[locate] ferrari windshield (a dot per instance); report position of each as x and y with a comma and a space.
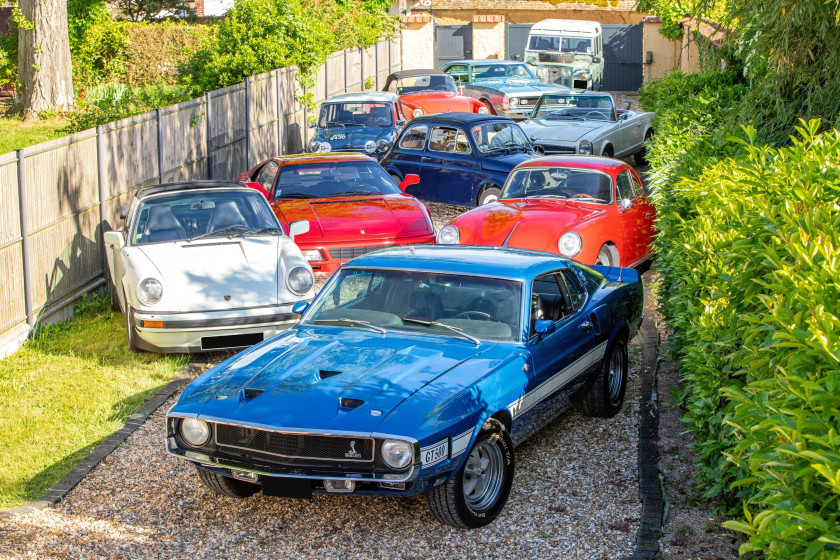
502, 72
500, 136
575, 107
355, 114
432, 82
192, 214
577, 45
435, 303
581, 185
325, 179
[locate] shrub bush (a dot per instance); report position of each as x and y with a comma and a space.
155, 51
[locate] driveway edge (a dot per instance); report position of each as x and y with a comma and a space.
63, 486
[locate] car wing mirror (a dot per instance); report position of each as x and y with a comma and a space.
460, 90
401, 123
622, 117
410, 179
626, 204
298, 227
300, 307
627, 103
596, 60
311, 124
114, 239
544, 327
124, 211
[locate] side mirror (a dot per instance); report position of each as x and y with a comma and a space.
400, 123
124, 211
298, 227
300, 307
627, 103
626, 204
460, 90
410, 179
311, 124
622, 117
115, 239
544, 327
596, 60
491, 199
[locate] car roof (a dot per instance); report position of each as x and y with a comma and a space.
500, 262
188, 185
566, 26
417, 72
362, 96
584, 162
467, 118
485, 61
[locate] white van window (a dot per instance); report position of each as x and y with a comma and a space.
582, 45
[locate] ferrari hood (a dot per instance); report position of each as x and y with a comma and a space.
218, 273
326, 379
560, 131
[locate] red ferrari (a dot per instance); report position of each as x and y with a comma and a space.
593, 209
425, 92
343, 205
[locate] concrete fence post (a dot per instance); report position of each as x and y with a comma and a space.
208, 125
24, 245
376, 65
247, 123
159, 145
279, 112
100, 179
346, 73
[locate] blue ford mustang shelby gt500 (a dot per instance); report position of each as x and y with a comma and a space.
415, 370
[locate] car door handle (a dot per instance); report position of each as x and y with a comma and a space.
638, 124
425, 159
586, 325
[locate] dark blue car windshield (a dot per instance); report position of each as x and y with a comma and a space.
333, 178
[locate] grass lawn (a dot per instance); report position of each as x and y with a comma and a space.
15, 133
66, 391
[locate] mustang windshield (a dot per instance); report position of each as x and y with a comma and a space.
583, 185
333, 178
417, 84
441, 304
575, 107
355, 114
500, 136
502, 71
577, 45
202, 213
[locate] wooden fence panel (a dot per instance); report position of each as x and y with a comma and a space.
9, 203
184, 140
354, 69
13, 310
264, 139
129, 154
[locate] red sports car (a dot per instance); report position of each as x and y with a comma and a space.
425, 92
593, 209
346, 205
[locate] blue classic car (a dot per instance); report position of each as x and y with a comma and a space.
357, 122
461, 158
506, 87
415, 370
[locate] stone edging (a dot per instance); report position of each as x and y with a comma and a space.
63, 486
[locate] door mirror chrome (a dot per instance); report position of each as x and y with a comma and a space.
544, 327
114, 239
300, 307
400, 123
626, 204
298, 227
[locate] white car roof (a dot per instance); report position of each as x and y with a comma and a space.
566, 26
363, 97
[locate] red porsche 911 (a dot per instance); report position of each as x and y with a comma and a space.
592, 209
340, 206
426, 92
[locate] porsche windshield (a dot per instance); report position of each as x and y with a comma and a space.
435, 303
202, 213
500, 136
432, 82
581, 185
575, 107
325, 179
355, 114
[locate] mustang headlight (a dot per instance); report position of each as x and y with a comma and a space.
448, 235
370, 147
569, 244
149, 291
585, 147
417, 112
514, 101
196, 432
396, 453
300, 280
315, 146
383, 145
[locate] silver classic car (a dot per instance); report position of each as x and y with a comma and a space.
588, 123
506, 87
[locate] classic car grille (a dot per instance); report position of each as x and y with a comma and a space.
563, 58
295, 446
557, 149
346, 253
528, 100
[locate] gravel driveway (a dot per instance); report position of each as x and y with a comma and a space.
575, 496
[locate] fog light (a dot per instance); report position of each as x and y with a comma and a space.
244, 475
339, 485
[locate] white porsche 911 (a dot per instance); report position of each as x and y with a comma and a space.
204, 265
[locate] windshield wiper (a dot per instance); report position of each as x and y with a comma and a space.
456, 330
352, 193
336, 124
223, 231
257, 231
588, 198
512, 144
296, 195
363, 324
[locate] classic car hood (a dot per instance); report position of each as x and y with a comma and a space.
562, 131
218, 273
440, 102
300, 378
520, 86
354, 137
535, 223
351, 218
504, 162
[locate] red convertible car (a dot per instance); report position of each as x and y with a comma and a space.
340, 206
593, 209
425, 92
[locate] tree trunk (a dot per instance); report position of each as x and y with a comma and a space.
44, 66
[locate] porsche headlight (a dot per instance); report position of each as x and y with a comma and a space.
514, 101
383, 145
300, 280
196, 432
315, 146
396, 453
569, 244
149, 291
370, 147
448, 235
585, 148
417, 112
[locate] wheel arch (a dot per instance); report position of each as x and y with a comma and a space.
489, 183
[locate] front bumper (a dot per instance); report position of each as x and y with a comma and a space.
336, 254
518, 113
203, 331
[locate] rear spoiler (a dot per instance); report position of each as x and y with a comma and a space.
618, 274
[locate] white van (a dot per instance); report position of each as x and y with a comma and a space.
567, 52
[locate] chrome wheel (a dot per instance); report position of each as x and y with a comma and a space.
483, 475
605, 257
615, 376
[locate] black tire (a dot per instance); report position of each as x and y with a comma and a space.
115, 299
486, 193
606, 257
130, 332
608, 151
226, 486
449, 503
606, 395
641, 155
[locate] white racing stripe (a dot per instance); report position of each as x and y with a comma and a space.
460, 442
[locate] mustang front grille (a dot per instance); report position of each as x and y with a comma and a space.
528, 100
295, 446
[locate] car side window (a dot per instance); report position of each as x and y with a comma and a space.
625, 187
415, 137
638, 186
576, 294
459, 72
266, 175
449, 139
549, 300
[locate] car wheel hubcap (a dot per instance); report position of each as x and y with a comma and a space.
604, 258
483, 475
615, 378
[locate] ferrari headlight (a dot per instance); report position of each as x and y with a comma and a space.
396, 453
566, 72
448, 235
514, 101
313, 255
196, 432
569, 244
300, 280
149, 291
315, 146
370, 147
417, 112
383, 145
585, 148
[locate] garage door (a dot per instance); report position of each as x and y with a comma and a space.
622, 57
516, 39
452, 42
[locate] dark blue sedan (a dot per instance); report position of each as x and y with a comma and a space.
461, 158
416, 370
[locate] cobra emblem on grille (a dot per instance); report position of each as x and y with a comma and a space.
353, 454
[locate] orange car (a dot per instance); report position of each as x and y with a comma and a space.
425, 92
345, 204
